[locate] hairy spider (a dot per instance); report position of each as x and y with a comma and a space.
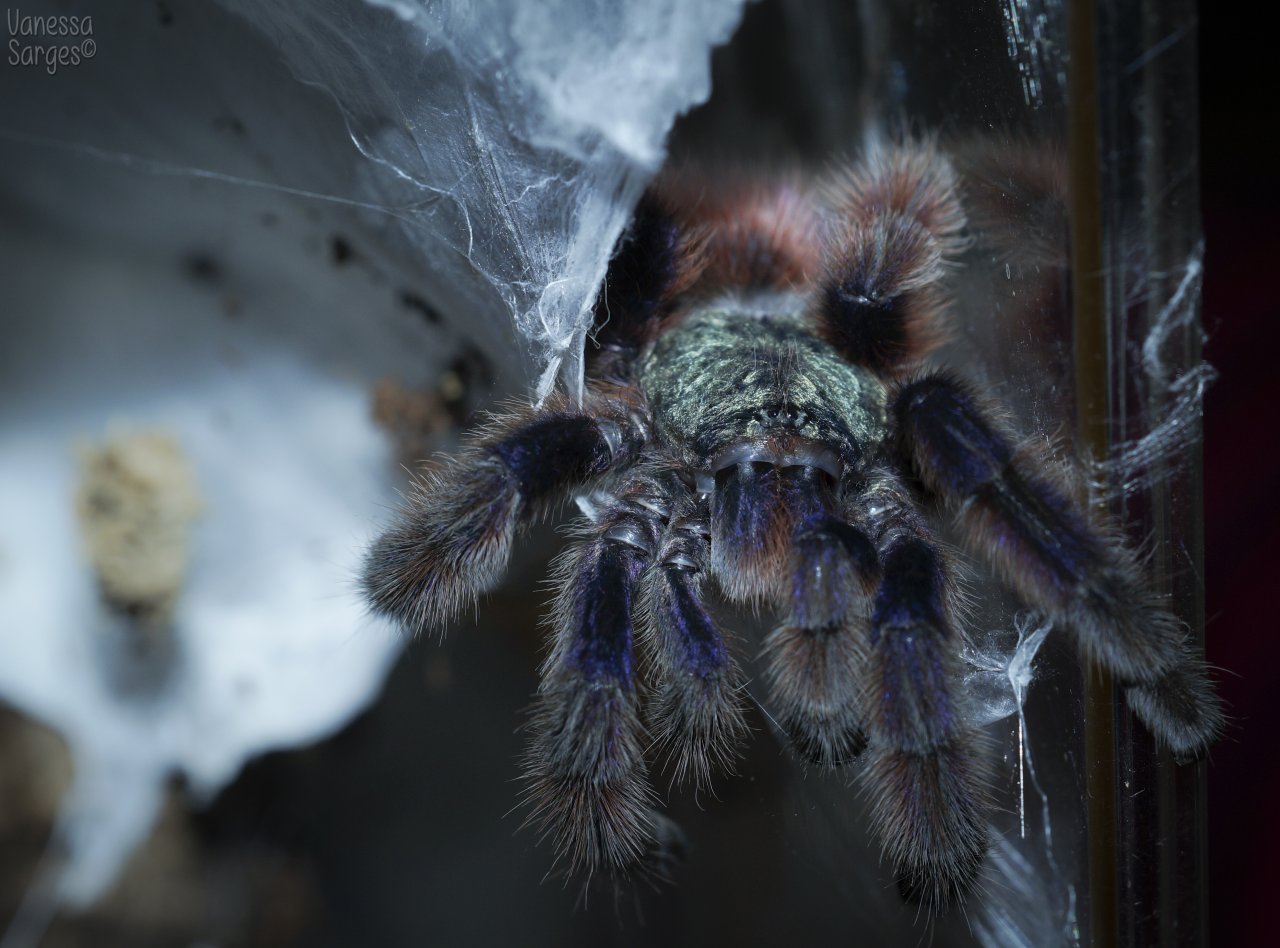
760, 414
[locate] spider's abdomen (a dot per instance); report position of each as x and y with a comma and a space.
724, 382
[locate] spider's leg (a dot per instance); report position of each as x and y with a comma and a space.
1044, 545
925, 774
656, 260
881, 295
697, 710
754, 232
588, 783
453, 539
816, 659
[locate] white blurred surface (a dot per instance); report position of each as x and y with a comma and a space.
272, 647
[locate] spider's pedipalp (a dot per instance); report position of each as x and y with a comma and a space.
816, 659
588, 781
925, 775
834, 568
815, 682
454, 537
697, 710
775, 539
1047, 549
880, 301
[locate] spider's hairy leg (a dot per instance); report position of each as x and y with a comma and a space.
697, 710
656, 260
754, 231
588, 782
1046, 548
900, 221
453, 537
925, 777
816, 659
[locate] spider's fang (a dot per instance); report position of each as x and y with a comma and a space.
632, 536
800, 453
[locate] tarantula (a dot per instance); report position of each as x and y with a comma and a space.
759, 414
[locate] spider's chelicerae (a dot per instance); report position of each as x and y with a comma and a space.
760, 417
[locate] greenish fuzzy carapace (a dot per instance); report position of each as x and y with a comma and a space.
721, 377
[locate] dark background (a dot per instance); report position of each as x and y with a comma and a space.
1242, 468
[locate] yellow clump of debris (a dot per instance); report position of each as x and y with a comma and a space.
136, 502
